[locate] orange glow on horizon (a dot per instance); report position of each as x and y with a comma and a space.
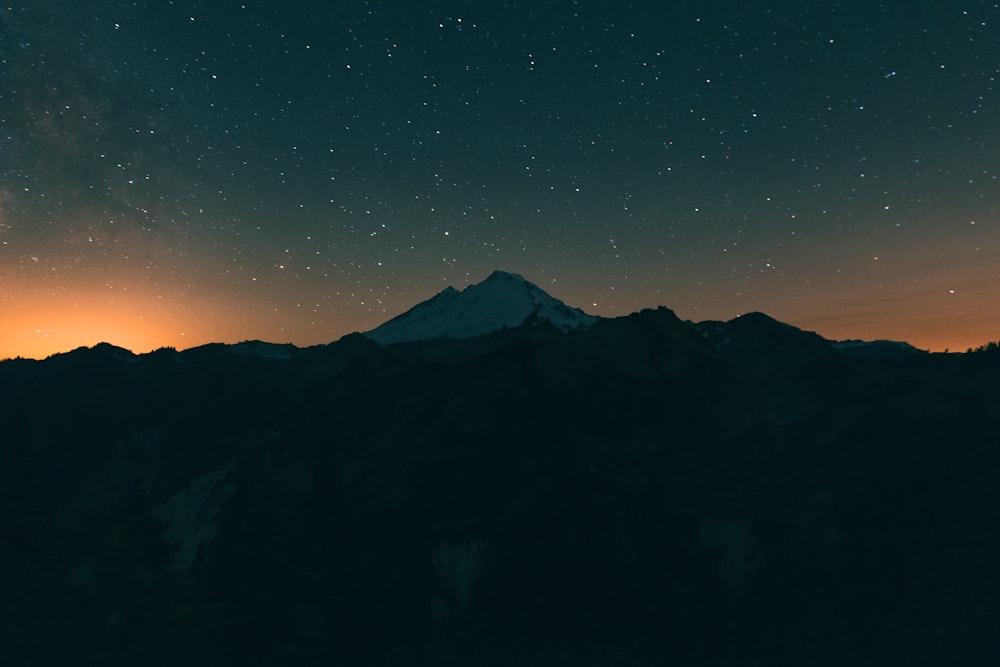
933, 337
37, 328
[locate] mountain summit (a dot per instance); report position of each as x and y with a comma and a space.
502, 301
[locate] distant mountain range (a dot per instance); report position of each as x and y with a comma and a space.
506, 301
496, 478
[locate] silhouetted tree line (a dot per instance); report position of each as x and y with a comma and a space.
991, 347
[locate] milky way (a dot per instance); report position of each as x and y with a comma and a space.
174, 173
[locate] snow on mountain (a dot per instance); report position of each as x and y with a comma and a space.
502, 301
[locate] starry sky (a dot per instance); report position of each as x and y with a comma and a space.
179, 172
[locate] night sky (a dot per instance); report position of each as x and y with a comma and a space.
176, 173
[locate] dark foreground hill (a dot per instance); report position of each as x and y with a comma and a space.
642, 491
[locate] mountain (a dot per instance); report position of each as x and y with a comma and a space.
759, 342
761, 335
636, 490
502, 301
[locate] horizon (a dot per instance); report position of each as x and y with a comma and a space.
146, 338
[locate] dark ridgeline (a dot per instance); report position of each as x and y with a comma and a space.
633, 491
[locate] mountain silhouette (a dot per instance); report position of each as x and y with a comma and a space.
516, 484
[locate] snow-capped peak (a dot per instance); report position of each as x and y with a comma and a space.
502, 301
